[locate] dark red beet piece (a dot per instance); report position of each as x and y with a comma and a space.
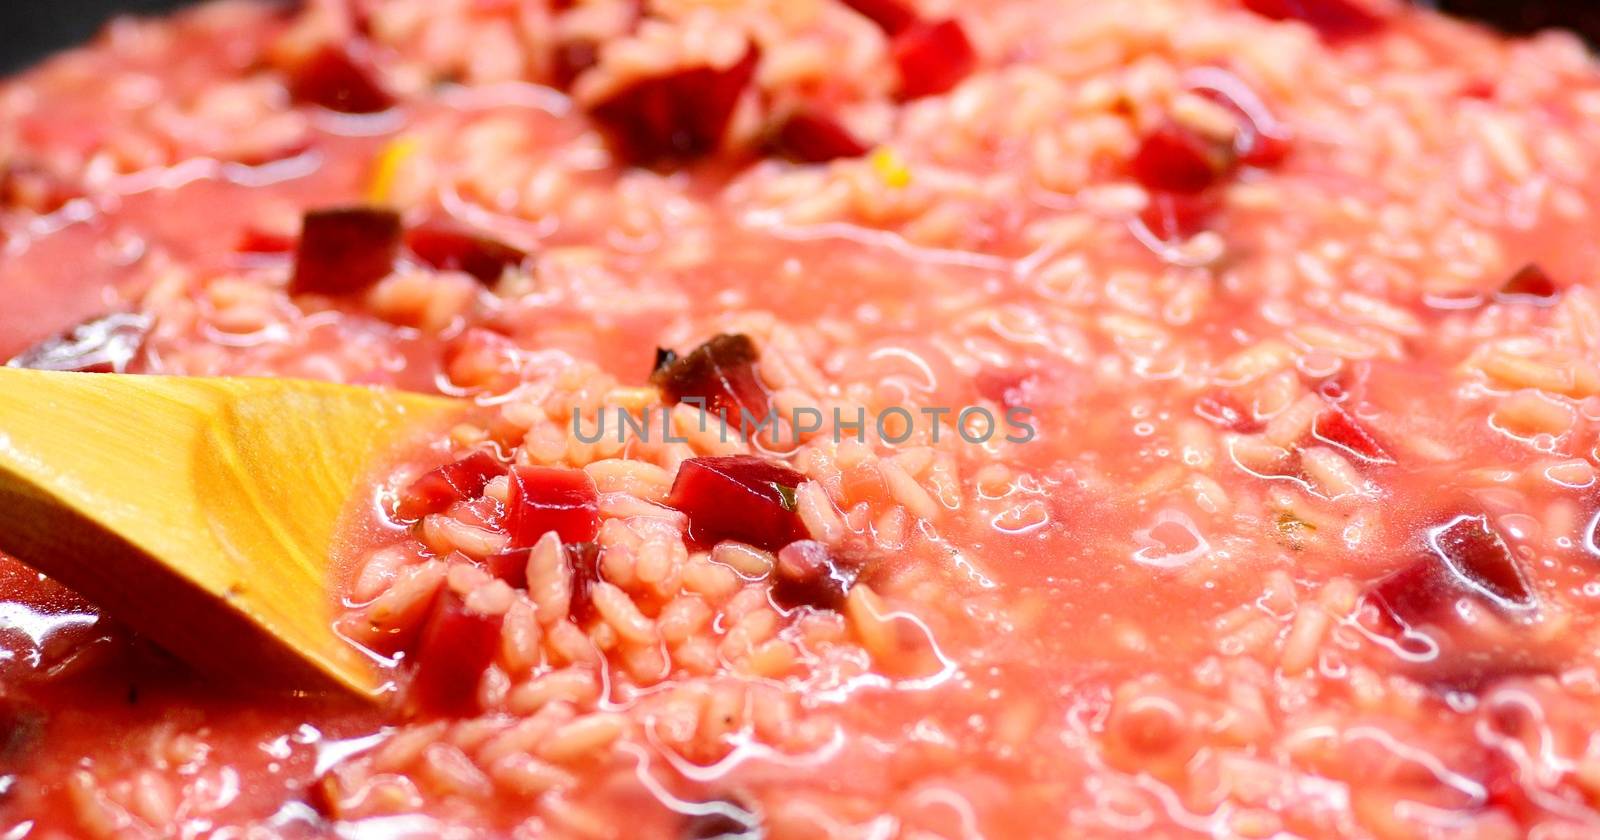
1336, 426
452, 247
108, 344
1223, 410
722, 372
545, 499
345, 250
584, 560
571, 59
809, 137
1464, 558
1334, 20
254, 241
932, 58
1174, 217
675, 117
1530, 285
1262, 141
510, 566
438, 489
738, 497
1174, 159
457, 646
340, 78
806, 575
892, 16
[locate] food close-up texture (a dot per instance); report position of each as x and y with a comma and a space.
1183, 415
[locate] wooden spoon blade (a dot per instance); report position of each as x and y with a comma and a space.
201, 512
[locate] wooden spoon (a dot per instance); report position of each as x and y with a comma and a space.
202, 512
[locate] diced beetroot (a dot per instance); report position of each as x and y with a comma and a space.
722, 372
892, 16
1174, 217
438, 489
678, 116
457, 646
1336, 426
345, 250
255, 241
545, 499
932, 58
1173, 159
584, 558
1465, 557
571, 59
108, 344
340, 78
510, 566
452, 247
1334, 20
1262, 141
34, 188
806, 575
1225, 411
806, 136
738, 497
1530, 285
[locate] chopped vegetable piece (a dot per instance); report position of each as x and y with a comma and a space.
892, 16
1334, 20
571, 59
255, 241
1175, 217
436, 490
545, 499
1173, 159
1224, 410
807, 576
340, 79
584, 560
722, 372
932, 58
345, 250
675, 117
1262, 141
510, 566
1338, 427
809, 137
452, 247
1530, 285
108, 344
1465, 558
738, 497
457, 646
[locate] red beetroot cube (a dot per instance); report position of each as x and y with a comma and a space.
1465, 558
932, 58
452, 247
571, 59
1334, 20
738, 497
440, 488
1530, 285
457, 646
1174, 217
810, 137
678, 116
345, 250
256, 241
1338, 427
806, 575
340, 78
545, 499
1173, 159
108, 344
722, 372
892, 16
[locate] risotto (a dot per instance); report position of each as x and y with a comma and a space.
1027, 418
